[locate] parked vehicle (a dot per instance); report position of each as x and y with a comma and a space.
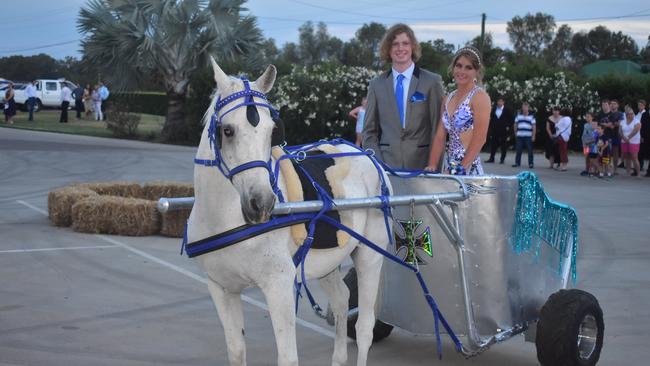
48, 93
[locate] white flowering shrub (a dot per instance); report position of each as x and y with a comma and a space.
542, 93
314, 101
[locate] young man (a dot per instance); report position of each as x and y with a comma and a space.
525, 131
31, 93
403, 104
616, 118
66, 98
500, 129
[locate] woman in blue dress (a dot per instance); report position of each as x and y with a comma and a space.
465, 118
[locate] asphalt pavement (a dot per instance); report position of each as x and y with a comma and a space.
68, 298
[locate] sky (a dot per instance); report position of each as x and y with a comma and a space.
49, 26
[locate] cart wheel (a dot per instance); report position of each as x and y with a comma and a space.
570, 329
381, 329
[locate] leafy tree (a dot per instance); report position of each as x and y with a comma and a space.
645, 53
530, 34
602, 44
558, 52
316, 45
132, 39
491, 55
436, 55
26, 68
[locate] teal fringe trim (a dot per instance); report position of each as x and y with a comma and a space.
542, 221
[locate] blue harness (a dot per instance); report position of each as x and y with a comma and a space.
299, 153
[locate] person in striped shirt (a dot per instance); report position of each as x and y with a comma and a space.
525, 134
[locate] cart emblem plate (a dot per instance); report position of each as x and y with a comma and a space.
408, 244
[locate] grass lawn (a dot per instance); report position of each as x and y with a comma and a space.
48, 120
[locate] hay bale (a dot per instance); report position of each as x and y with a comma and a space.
154, 190
173, 223
116, 215
121, 189
60, 202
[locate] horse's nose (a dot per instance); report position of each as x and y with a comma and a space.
257, 207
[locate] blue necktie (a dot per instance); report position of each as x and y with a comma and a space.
399, 98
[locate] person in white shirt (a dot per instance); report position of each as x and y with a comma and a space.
563, 133
30, 93
525, 131
66, 98
630, 131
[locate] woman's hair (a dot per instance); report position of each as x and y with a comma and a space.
555, 108
629, 109
475, 58
389, 37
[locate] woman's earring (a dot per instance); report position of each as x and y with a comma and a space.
475, 81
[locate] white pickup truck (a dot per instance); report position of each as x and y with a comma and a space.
48, 93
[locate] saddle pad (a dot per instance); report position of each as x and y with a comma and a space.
329, 174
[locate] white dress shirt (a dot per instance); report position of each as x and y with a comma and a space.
30, 91
66, 94
408, 75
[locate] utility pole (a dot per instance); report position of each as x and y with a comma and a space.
482, 32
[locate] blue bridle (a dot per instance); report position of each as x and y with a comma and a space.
214, 131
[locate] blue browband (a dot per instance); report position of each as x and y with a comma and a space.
215, 127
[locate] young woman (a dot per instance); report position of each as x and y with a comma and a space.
562, 135
630, 141
552, 151
465, 117
10, 104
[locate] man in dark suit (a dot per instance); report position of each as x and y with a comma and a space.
500, 132
403, 104
644, 152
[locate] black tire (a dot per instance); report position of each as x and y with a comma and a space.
381, 329
38, 106
567, 324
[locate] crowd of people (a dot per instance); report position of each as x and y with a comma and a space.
90, 101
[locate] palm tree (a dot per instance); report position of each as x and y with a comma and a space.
170, 38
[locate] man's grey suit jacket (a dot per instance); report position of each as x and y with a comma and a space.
382, 131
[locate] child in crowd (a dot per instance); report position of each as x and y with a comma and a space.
588, 141
604, 152
592, 153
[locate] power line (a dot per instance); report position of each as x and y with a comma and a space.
40, 47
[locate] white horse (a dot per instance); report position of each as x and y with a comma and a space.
265, 261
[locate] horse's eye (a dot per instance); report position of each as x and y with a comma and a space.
228, 132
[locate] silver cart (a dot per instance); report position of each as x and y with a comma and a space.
497, 255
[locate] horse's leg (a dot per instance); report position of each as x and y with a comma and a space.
278, 291
339, 295
368, 266
230, 312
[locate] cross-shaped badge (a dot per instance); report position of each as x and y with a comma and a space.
409, 243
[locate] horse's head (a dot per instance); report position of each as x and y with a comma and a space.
241, 128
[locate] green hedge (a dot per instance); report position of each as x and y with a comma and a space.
142, 102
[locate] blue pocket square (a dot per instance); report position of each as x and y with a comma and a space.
417, 97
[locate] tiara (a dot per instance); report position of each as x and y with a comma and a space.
472, 52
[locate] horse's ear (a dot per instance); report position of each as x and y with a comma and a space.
265, 82
220, 77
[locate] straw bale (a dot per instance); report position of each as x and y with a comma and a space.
116, 215
61, 200
121, 189
154, 190
173, 223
